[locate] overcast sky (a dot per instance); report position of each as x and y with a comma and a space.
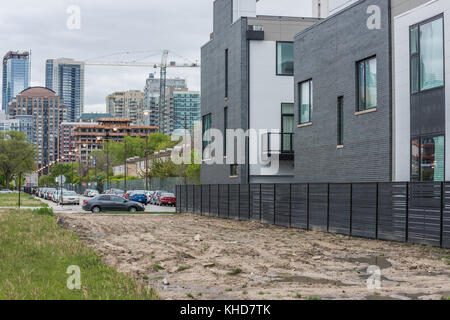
144, 27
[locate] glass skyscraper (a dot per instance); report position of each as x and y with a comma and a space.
186, 106
66, 78
16, 76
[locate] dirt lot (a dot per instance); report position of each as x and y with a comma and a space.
248, 260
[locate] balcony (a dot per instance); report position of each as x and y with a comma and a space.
279, 143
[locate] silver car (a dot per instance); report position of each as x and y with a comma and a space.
69, 197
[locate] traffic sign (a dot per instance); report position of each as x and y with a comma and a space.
60, 180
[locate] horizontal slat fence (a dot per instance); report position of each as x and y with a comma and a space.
407, 212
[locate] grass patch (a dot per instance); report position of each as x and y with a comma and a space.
35, 254
235, 272
12, 200
157, 267
43, 212
182, 268
314, 298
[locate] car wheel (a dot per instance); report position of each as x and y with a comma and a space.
96, 210
132, 209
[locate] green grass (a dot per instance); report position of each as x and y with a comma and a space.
35, 254
314, 298
157, 267
182, 268
12, 200
235, 272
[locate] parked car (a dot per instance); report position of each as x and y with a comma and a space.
69, 197
140, 197
41, 192
5, 191
48, 193
167, 199
116, 192
90, 193
107, 202
149, 196
157, 195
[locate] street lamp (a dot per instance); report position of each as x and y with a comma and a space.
146, 114
125, 156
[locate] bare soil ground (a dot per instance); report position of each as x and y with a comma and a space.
248, 260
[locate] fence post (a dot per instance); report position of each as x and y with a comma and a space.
351, 209
209, 200
442, 214
239, 202
249, 203
201, 200
407, 213
377, 209
307, 206
260, 202
290, 205
274, 203
218, 200
228, 201
328, 208
193, 199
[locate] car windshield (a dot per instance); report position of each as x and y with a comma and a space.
70, 193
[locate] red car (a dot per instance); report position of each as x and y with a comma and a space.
167, 199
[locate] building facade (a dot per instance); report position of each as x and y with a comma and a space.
47, 112
151, 96
247, 81
91, 137
16, 76
126, 104
66, 141
93, 117
66, 78
186, 108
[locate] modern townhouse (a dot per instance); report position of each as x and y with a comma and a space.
366, 101
421, 111
247, 82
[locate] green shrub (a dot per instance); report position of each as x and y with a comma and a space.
44, 212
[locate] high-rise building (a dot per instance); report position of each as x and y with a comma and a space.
151, 96
16, 76
47, 112
66, 78
126, 104
186, 109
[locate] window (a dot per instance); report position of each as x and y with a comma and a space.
340, 121
428, 159
427, 55
285, 58
226, 73
367, 84
225, 127
287, 126
234, 170
305, 101
206, 134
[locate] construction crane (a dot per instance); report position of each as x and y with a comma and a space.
163, 70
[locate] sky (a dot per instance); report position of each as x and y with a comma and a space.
143, 28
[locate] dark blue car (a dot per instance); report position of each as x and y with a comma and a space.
141, 198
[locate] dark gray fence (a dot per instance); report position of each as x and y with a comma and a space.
409, 212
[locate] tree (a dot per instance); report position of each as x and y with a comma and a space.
165, 169
16, 155
193, 169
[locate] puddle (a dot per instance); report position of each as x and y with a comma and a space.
381, 262
309, 281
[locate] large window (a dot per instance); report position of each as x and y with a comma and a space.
287, 126
305, 101
428, 159
285, 58
427, 55
205, 128
367, 84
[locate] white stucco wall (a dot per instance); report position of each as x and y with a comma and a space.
267, 92
402, 136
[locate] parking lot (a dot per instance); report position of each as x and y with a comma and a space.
77, 208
